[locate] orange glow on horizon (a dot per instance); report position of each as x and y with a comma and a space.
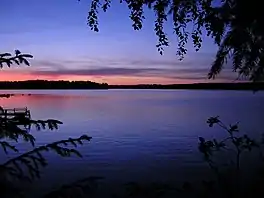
112, 80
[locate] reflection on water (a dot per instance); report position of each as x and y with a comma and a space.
137, 134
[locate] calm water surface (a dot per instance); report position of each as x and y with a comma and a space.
144, 135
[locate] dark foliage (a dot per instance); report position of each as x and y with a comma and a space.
235, 25
26, 167
240, 143
230, 176
78, 189
17, 59
230, 181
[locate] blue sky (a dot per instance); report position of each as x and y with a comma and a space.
64, 47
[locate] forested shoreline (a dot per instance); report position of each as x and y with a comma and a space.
61, 84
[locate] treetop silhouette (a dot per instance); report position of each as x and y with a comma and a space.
235, 25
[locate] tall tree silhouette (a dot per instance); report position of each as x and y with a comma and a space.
235, 25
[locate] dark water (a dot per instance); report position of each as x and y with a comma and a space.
145, 135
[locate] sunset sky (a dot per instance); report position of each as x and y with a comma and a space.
64, 47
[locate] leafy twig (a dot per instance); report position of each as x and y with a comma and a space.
33, 159
18, 58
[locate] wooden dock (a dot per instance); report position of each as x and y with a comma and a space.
7, 113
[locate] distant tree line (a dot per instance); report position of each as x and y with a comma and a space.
201, 86
62, 84
45, 84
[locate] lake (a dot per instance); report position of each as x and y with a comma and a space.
137, 135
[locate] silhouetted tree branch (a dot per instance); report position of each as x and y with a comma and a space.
26, 166
19, 58
19, 126
230, 180
33, 159
235, 25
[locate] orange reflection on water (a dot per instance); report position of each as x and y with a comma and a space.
25, 100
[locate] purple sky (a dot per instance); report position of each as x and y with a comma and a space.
64, 47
